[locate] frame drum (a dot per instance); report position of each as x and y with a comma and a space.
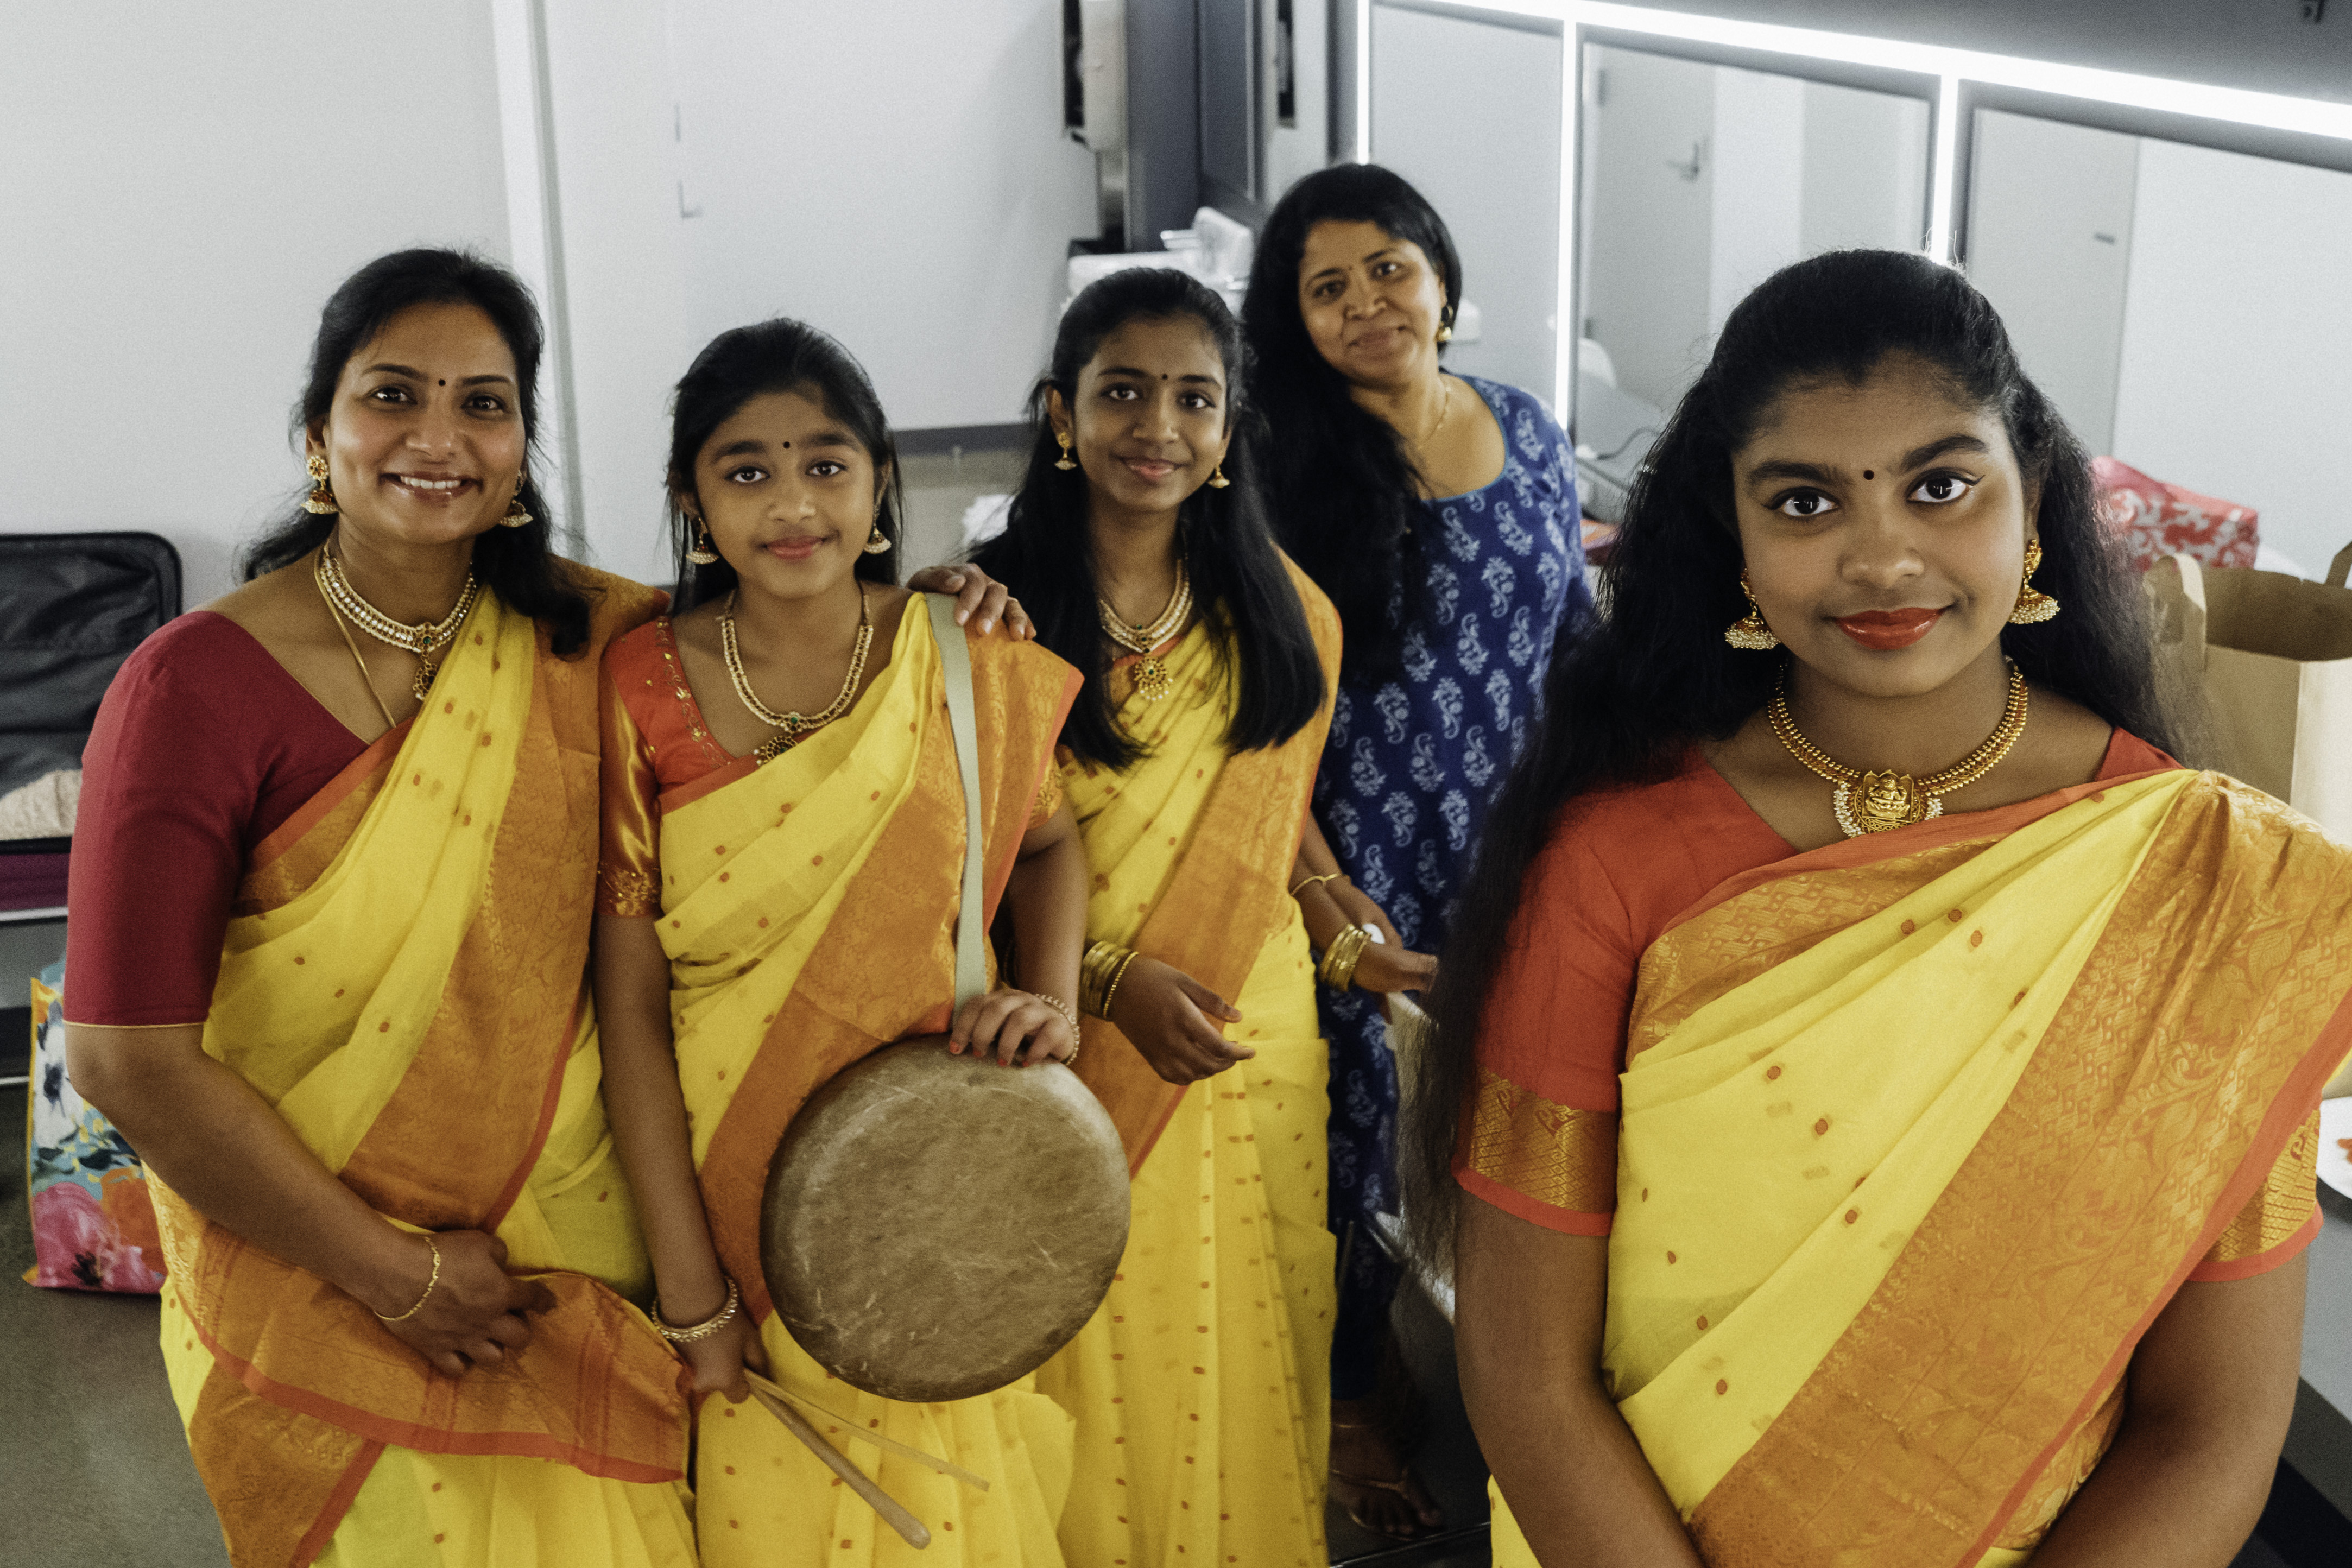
936, 1226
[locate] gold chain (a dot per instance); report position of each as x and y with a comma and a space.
418, 640
796, 727
1879, 802
1152, 681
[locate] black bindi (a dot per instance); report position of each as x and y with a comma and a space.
442, 383
1868, 475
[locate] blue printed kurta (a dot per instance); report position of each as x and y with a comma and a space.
1407, 773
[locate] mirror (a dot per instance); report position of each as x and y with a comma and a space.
1700, 180
2184, 306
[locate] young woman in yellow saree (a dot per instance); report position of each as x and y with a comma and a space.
779, 899
331, 983
1883, 1078
1137, 547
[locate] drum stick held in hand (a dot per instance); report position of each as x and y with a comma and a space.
850, 1429
908, 1527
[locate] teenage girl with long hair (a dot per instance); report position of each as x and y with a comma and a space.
1138, 546
1871, 1114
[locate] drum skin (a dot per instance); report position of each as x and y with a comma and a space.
936, 1226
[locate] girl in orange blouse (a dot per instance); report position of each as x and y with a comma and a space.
783, 839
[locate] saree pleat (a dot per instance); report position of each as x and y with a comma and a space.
1919, 1139
399, 982
808, 910
1201, 1388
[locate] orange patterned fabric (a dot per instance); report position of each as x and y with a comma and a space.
1965, 1402
2278, 1221
306, 1388
1226, 896
1553, 1164
889, 921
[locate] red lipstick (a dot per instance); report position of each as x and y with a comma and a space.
1887, 630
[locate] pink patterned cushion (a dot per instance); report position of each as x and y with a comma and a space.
2157, 519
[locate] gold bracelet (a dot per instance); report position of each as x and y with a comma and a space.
429, 1283
1117, 975
1306, 882
705, 1328
1097, 976
1337, 968
1068, 1012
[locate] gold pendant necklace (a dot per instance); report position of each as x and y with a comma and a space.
1880, 801
796, 727
420, 639
1152, 681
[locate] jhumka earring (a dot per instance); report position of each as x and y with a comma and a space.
877, 542
1065, 463
1217, 480
2033, 606
1749, 632
704, 553
517, 515
322, 498
1446, 326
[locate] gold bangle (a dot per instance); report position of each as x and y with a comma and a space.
1068, 1012
431, 1281
1117, 975
1306, 882
1096, 973
1337, 967
705, 1328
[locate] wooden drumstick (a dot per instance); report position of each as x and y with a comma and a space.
908, 1527
952, 1471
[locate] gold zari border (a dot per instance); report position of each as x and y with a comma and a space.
1556, 1154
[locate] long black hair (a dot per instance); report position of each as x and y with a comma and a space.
515, 562
742, 363
1623, 702
1345, 495
1046, 551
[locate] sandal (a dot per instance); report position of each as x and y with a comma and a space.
1403, 1487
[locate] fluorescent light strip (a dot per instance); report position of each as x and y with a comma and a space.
1569, 328
2274, 110
1945, 192
1363, 81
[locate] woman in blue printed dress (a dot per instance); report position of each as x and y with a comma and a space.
1439, 513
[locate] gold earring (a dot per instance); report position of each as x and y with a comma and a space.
322, 498
704, 553
877, 542
1217, 480
1067, 462
2033, 606
1445, 332
517, 515
1749, 632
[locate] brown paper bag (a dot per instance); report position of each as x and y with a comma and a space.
2271, 654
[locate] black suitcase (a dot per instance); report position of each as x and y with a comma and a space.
72, 606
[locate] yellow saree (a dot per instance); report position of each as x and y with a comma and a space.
808, 907
1919, 1135
1201, 1387
403, 980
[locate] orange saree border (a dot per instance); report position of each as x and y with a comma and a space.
1226, 898
2154, 1107
835, 1015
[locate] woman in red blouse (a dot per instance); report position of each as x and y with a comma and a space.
1881, 1077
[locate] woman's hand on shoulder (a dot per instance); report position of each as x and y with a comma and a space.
1019, 1027
976, 595
1175, 1020
474, 1314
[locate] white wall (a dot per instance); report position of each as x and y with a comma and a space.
1294, 151
2236, 375
2050, 243
1469, 112
894, 172
183, 188
1758, 179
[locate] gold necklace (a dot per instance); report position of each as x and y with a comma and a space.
1152, 681
796, 727
1444, 408
1882, 801
420, 639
